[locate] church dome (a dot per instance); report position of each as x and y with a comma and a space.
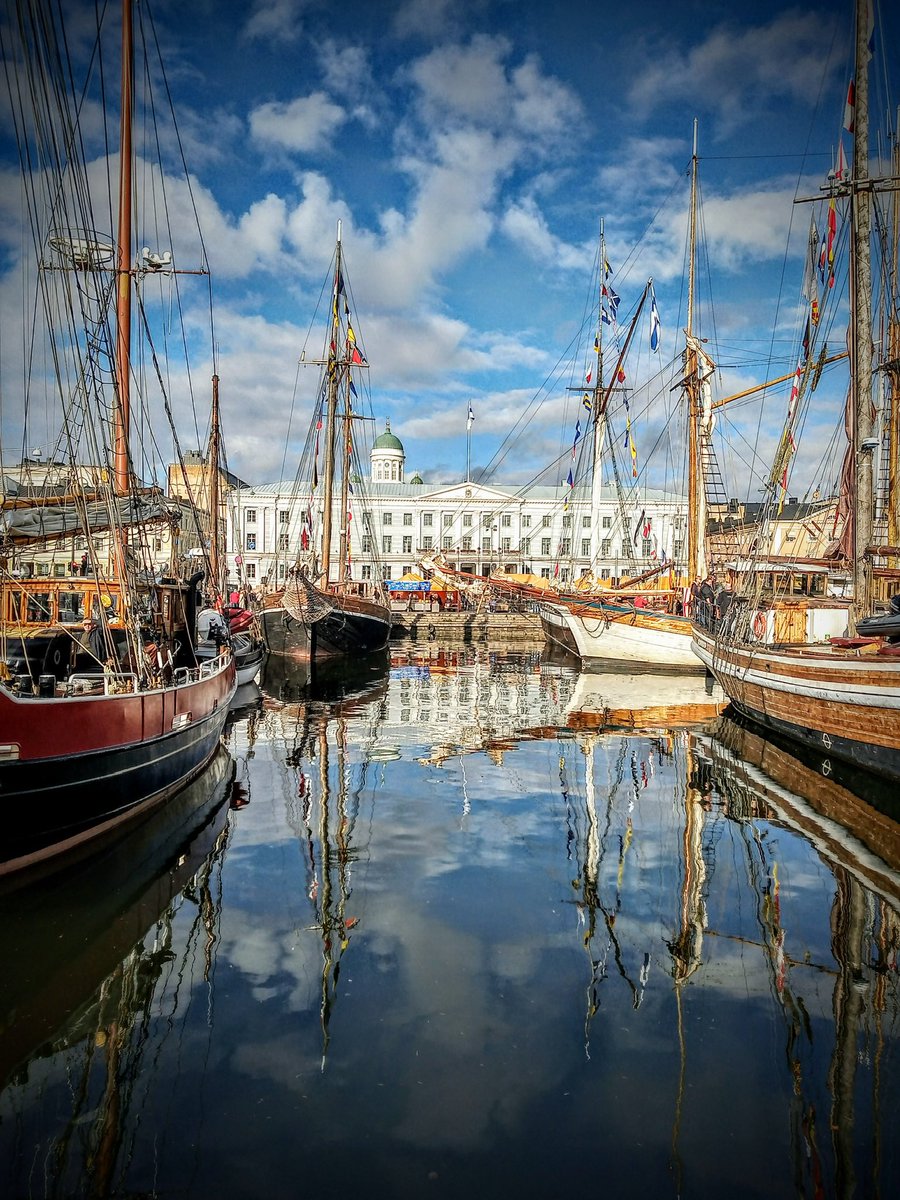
388, 440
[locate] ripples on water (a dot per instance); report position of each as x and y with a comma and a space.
471, 926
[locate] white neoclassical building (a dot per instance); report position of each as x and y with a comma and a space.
479, 528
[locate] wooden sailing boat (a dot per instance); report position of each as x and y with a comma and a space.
316, 614
606, 629
104, 710
782, 660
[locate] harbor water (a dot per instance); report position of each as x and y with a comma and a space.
463, 922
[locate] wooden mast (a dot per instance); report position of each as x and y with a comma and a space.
212, 466
696, 557
331, 411
123, 291
861, 340
892, 366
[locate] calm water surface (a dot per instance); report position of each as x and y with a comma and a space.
469, 926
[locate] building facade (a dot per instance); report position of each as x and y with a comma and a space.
396, 526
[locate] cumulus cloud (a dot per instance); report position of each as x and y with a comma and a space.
275, 20
736, 73
305, 124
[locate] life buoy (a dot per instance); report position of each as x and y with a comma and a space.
759, 625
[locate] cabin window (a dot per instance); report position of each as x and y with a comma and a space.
43, 568
38, 607
59, 570
71, 608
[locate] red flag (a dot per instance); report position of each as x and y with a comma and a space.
850, 107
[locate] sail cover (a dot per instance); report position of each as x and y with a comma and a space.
45, 522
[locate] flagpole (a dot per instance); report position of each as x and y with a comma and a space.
469, 443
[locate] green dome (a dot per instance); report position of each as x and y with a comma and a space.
417, 478
387, 440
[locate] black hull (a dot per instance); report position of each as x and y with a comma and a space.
880, 760
57, 805
339, 633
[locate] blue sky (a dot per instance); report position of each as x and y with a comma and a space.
470, 149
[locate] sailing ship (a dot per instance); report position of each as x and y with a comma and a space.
653, 633
315, 615
825, 671
105, 710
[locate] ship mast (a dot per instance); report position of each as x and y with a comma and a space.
212, 467
696, 557
861, 326
330, 415
123, 291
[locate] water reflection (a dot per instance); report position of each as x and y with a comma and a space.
469, 914
87, 954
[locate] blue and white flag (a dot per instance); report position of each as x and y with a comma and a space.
470, 418
654, 323
610, 307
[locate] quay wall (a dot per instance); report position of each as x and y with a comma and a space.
483, 627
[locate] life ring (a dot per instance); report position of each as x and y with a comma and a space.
759, 626
56, 658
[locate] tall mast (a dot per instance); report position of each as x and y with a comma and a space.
331, 410
212, 467
598, 418
696, 510
861, 340
893, 364
123, 294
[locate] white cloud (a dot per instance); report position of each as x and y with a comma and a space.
303, 125
275, 20
737, 73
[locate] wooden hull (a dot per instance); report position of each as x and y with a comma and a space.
354, 626
839, 701
76, 770
604, 634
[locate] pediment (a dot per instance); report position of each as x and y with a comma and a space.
472, 493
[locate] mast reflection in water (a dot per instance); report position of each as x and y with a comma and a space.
473, 924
